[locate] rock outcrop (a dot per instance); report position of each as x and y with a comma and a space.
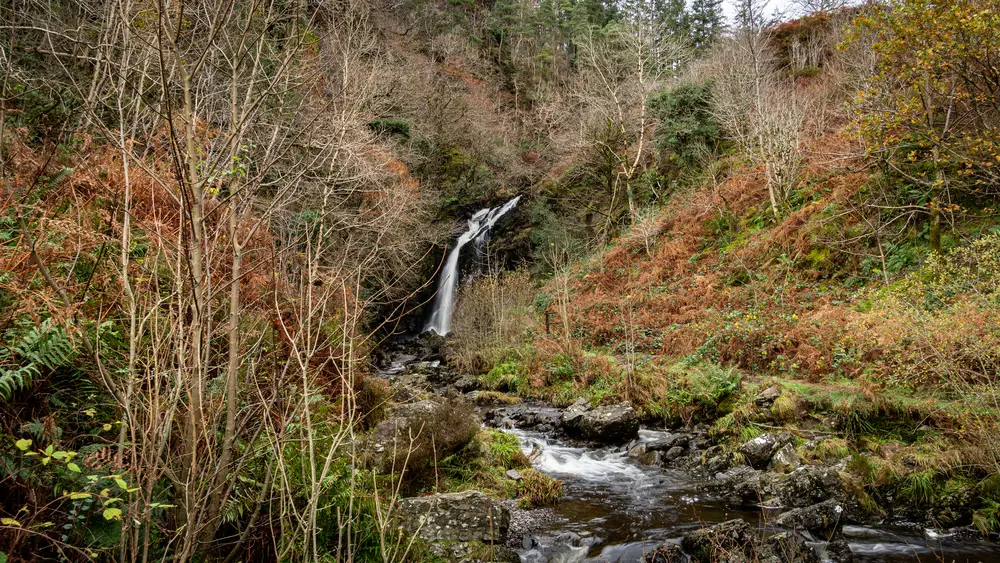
413, 433
613, 424
464, 517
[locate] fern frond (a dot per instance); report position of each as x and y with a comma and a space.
46, 345
17, 379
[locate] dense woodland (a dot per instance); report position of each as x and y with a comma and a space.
216, 215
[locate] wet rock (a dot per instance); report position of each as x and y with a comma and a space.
668, 442
710, 543
431, 342
820, 518
565, 548
767, 396
466, 516
702, 442
513, 475
466, 384
803, 487
742, 484
838, 551
652, 458
786, 459
808, 485
423, 368
717, 459
673, 453
758, 452
670, 552
575, 411
613, 424
636, 452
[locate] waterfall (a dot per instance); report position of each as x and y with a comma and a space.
444, 301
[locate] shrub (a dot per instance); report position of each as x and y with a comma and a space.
399, 127
939, 325
688, 130
505, 377
688, 391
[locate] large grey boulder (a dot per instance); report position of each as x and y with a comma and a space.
612, 424
807, 485
466, 384
819, 518
669, 442
758, 451
466, 516
413, 434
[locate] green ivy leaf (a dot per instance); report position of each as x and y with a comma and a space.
112, 513
10, 522
22, 445
73, 467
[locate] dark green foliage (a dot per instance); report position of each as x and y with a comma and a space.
399, 127
688, 131
706, 23
673, 18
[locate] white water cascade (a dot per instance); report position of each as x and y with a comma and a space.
444, 301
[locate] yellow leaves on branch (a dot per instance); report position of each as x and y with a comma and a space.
929, 81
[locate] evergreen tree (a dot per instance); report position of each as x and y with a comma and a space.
706, 23
673, 18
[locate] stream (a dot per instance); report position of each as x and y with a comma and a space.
615, 509
621, 509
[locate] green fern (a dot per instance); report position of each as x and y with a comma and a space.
16, 379
44, 346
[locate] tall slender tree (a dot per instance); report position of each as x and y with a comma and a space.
706, 23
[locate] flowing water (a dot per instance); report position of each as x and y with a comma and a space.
615, 509
478, 231
622, 509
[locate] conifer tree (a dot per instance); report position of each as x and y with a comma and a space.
673, 18
706, 23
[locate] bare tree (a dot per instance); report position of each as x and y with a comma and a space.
759, 109
272, 219
620, 69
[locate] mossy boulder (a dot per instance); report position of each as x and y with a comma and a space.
465, 517
612, 424
416, 434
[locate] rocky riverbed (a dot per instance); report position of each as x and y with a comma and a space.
639, 494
